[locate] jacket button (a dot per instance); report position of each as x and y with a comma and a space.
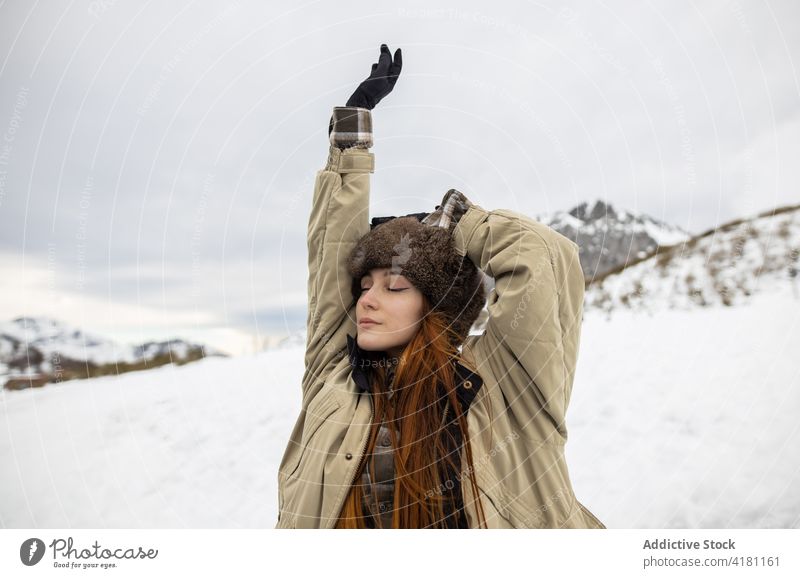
467, 384
349, 456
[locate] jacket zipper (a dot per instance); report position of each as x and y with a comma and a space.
363, 453
363, 450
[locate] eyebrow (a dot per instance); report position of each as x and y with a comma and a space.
385, 274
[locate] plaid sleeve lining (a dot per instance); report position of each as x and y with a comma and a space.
350, 126
455, 206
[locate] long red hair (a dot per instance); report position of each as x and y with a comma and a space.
422, 459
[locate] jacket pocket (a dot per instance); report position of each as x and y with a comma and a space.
320, 409
496, 515
513, 511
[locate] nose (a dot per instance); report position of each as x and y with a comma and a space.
368, 298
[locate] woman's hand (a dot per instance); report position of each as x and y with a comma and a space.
381, 80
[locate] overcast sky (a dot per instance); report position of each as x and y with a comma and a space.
157, 160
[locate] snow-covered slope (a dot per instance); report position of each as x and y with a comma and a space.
726, 265
680, 419
609, 237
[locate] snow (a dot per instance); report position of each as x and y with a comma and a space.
561, 220
615, 219
728, 265
22, 337
679, 418
663, 234
688, 418
190, 446
51, 336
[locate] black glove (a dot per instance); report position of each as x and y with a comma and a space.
381, 80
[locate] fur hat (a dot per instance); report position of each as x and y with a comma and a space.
426, 256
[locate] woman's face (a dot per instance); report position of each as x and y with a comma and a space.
394, 304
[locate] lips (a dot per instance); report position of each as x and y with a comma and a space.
367, 323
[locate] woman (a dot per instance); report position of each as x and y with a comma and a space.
407, 420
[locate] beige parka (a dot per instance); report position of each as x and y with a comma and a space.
526, 359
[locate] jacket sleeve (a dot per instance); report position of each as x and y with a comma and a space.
532, 334
339, 218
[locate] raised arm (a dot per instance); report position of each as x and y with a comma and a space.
535, 310
339, 218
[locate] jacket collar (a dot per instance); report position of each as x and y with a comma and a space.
468, 383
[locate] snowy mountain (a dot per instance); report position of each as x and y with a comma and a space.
610, 238
725, 265
49, 350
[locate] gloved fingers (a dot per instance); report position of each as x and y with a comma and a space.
395, 68
384, 61
398, 61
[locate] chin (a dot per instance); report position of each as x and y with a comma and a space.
369, 342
